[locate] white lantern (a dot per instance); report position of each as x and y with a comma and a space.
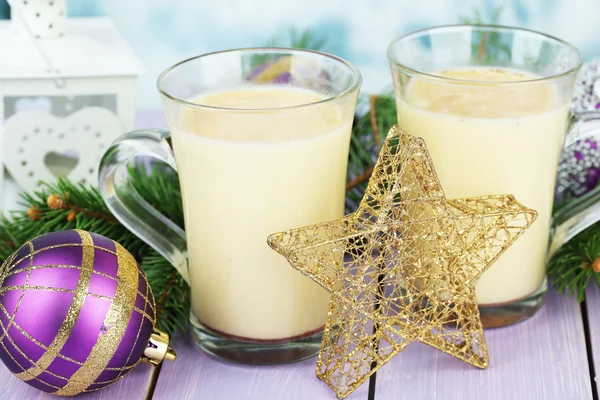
67, 90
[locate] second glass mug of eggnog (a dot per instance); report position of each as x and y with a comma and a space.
260, 142
492, 104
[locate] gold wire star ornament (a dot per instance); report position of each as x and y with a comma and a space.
403, 267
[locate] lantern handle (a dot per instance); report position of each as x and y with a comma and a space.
51, 69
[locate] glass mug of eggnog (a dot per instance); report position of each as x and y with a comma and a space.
260, 142
492, 104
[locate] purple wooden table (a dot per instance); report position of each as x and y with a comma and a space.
552, 356
544, 358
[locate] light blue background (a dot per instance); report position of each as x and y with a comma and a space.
164, 31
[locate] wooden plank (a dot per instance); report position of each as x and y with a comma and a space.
132, 386
195, 375
539, 359
592, 302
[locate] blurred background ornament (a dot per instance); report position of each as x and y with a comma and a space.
76, 313
587, 91
579, 166
52, 68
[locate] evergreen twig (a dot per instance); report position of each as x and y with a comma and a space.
576, 263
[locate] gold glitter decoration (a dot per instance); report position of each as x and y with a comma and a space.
403, 267
116, 322
79, 297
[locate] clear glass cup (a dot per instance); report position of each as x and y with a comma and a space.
260, 142
492, 104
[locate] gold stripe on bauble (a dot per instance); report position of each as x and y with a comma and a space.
64, 332
114, 327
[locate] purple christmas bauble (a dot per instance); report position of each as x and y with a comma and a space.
76, 312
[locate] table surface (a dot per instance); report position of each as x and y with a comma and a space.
552, 356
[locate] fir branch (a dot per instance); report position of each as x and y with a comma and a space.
307, 40
171, 292
478, 19
576, 263
160, 188
19, 227
487, 45
368, 133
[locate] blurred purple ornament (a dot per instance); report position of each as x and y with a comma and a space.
578, 171
285, 69
579, 166
586, 96
76, 313
284, 77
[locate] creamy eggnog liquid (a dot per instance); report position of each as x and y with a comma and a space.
484, 141
247, 174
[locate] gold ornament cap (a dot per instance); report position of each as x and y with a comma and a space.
158, 348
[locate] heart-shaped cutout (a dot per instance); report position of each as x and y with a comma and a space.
39, 146
61, 164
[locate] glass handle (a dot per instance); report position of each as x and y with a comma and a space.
126, 204
583, 212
